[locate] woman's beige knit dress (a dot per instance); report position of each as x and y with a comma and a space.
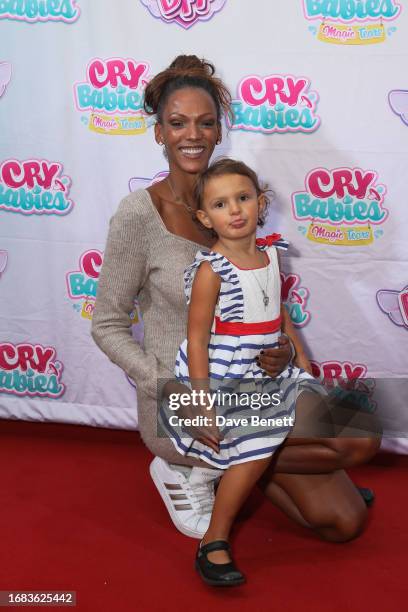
144, 260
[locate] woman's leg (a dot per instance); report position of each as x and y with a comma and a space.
323, 455
306, 479
328, 504
326, 438
235, 486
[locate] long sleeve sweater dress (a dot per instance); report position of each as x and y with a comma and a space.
144, 260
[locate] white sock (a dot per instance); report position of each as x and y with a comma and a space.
184, 469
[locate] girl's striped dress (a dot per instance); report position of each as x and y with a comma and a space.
243, 325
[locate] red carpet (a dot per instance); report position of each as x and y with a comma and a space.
80, 513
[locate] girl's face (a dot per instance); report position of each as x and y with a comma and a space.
231, 206
189, 129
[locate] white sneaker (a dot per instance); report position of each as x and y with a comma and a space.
189, 499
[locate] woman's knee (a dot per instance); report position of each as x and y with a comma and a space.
355, 451
348, 526
338, 526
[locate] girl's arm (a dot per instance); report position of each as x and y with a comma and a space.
203, 299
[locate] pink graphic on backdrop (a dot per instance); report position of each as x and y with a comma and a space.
5, 76
398, 100
347, 185
395, 305
34, 186
347, 380
30, 369
184, 12
112, 96
276, 103
295, 299
341, 206
83, 283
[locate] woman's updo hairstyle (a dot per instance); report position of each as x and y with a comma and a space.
186, 71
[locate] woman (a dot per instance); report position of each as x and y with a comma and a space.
152, 239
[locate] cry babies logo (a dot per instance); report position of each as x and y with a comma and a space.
110, 100
275, 104
295, 299
346, 380
183, 12
341, 205
34, 187
82, 284
33, 11
350, 22
28, 369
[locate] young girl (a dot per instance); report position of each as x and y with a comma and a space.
235, 311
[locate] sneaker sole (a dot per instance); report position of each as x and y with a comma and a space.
169, 505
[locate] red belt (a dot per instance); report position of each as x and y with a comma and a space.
227, 328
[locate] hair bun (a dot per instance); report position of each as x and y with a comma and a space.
186, 71
187, 64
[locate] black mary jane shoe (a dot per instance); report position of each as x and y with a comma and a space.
217, 574
368, 495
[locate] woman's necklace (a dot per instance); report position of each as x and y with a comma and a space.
177, 198
264, 291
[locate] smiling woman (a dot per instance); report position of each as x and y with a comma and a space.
152, 239
188, 102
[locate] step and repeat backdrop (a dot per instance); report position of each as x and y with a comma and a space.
320, 111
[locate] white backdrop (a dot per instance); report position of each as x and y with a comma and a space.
321, 114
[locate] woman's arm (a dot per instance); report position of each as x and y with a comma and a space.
301, 360
123, 273
274, 361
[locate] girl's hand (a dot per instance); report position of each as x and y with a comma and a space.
274, 361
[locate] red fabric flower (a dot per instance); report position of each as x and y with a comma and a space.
268, 240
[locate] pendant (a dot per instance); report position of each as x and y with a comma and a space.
265, 299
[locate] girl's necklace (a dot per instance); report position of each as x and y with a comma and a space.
264, 291
177, 198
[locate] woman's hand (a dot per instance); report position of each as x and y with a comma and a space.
274, 361
208, 433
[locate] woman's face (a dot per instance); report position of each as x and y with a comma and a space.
189, 129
